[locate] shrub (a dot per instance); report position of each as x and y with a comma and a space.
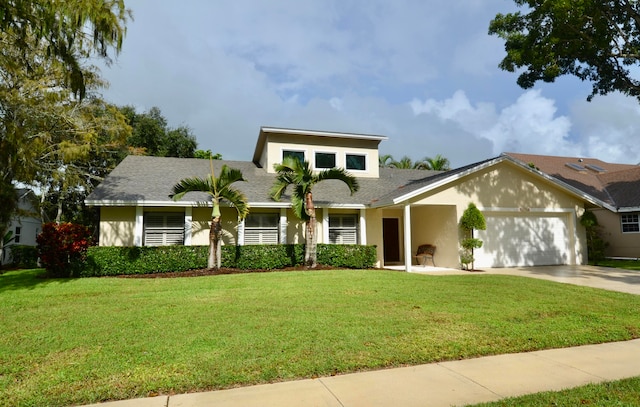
24, 256
111, 261
471, 219
62, 248
596, 245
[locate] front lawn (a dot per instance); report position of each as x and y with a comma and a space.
86, 340
621, 264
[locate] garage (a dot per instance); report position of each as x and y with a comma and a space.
524, 239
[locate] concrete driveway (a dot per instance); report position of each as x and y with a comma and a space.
613, 279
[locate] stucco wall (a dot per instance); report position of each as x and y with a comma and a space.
117, 226
276, 143
620, 244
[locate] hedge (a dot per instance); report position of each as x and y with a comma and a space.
111, 261
24, 256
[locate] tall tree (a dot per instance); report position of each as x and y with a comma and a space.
595, 40
437, 163
298, 173
69, 30
152, 136
220, 189
44, 78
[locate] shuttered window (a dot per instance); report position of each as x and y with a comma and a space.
261, 228
343, 229
163, 229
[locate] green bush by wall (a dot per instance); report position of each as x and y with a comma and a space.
24, 256
111, 261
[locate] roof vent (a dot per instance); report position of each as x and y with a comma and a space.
595, 168
575, 166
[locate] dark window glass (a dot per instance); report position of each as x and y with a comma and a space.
295, 154
356, 162
325, 160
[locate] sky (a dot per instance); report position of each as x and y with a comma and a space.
423, 73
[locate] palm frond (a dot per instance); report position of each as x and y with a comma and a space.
195, 184
341, 175
237, 199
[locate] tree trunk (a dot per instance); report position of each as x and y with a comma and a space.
214, 244
310, 249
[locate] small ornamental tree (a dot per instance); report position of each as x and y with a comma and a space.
62, 248
595, 243
471, 219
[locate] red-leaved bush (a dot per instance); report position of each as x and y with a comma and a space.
62, 248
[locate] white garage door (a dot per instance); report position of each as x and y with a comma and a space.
516, 239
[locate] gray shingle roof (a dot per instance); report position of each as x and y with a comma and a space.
149, 179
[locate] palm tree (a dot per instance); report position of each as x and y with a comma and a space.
437, 163
405, 163
220, 189
298, 173
385, 161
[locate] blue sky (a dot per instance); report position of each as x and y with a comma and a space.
422, 72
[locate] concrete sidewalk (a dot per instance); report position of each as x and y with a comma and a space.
439, 384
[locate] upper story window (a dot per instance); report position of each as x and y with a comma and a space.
630, 222
293, 153
325, 160
163, 229
356, 162
261, 228
16, 238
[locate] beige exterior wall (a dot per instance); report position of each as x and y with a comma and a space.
277, 143
117, 226
501, 188
620, 244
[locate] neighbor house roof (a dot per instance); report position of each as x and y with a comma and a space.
616, 185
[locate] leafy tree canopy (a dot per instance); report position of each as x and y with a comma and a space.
595, 40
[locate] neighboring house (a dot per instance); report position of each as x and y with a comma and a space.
616, 189
24, 228
532, 218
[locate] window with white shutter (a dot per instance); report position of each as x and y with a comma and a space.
163, 229
343, 229
261, 228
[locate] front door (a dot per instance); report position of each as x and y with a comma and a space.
391, 239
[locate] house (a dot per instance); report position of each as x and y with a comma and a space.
615, 188
532, 218
24, 227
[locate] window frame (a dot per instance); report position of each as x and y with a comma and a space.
168, 230
364, 158
315, 159
337, 232
293, 153
264, 231
632, 223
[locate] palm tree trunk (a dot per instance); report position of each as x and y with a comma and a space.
311, 241
214, 243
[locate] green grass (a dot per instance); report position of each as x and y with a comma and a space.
621, 264
86, 340
611, 394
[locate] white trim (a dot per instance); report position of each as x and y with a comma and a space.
282, 227
527, 210
325, 225
188, 225
407, 238
629, 209
241, 232
318, 133
363, 227
139, 226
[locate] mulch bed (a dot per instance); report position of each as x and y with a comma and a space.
221, 271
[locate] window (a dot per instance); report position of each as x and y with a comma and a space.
295, 154
261, 228
356, 162
163, 229
343, 229
325, 160
16, 239
630, 223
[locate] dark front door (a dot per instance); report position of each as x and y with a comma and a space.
391, 239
